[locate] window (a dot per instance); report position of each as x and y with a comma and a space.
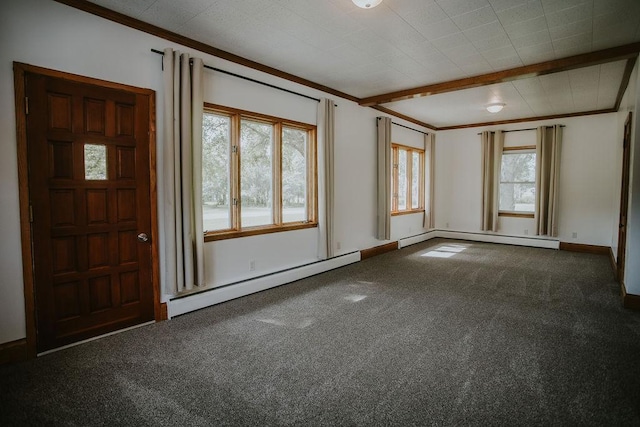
518, 181
95, 162
259, 174
256, 173
407, 180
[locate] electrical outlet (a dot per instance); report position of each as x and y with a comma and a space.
252, 265
338, 245
410, 229
574, 235
526, 232
446, 225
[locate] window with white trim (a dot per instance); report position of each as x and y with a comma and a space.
518, 180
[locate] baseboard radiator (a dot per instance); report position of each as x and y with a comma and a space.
536, 242
186, 304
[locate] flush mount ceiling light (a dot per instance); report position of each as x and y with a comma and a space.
495, 107
366, 4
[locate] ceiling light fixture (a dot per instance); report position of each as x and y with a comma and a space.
495, 107
366, 4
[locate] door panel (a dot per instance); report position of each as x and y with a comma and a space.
89, 191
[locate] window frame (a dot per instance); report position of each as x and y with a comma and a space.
395, 156
515, 214
235, 210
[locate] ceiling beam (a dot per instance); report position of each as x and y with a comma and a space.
530, 119
137, 24
527, 71
403, 117
631, 62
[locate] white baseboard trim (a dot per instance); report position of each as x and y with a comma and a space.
536, 242
408, 241
186, 304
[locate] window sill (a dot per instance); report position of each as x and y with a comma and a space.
516, 214
413, 211
255, 231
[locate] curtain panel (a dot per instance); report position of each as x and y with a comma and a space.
182, 151
384, 179
326, 142
548, 149
492, 144
430, 163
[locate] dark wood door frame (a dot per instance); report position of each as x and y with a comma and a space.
20, 70
624, 200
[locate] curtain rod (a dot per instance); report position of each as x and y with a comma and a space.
251, 80
407, 127
519, 130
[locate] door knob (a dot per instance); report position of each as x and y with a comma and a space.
142, 237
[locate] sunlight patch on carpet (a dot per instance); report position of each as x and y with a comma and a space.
355, 298
445, 251
298, 323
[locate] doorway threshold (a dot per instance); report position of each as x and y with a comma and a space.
64, 347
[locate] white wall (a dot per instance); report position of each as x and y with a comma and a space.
589, 179
51, 35
457, 180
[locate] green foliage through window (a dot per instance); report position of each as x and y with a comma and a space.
407, 179
518, 181
294, 174
95, 162
256, 173
216, 188
260, 175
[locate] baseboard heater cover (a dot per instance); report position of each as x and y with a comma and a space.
536, 242
190, 303
408, 241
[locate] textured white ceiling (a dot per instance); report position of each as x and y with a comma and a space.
585, 89
407, 43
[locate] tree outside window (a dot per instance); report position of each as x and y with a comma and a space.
258, 173
407, 179
518, 181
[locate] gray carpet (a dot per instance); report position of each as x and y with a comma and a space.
440, 333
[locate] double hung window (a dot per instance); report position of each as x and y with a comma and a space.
518, 181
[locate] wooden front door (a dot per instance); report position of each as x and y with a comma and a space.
89, 194
624, 199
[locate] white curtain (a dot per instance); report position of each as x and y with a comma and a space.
183, 105
326, 141
430, 163
492, 144
384, 179
548, 148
